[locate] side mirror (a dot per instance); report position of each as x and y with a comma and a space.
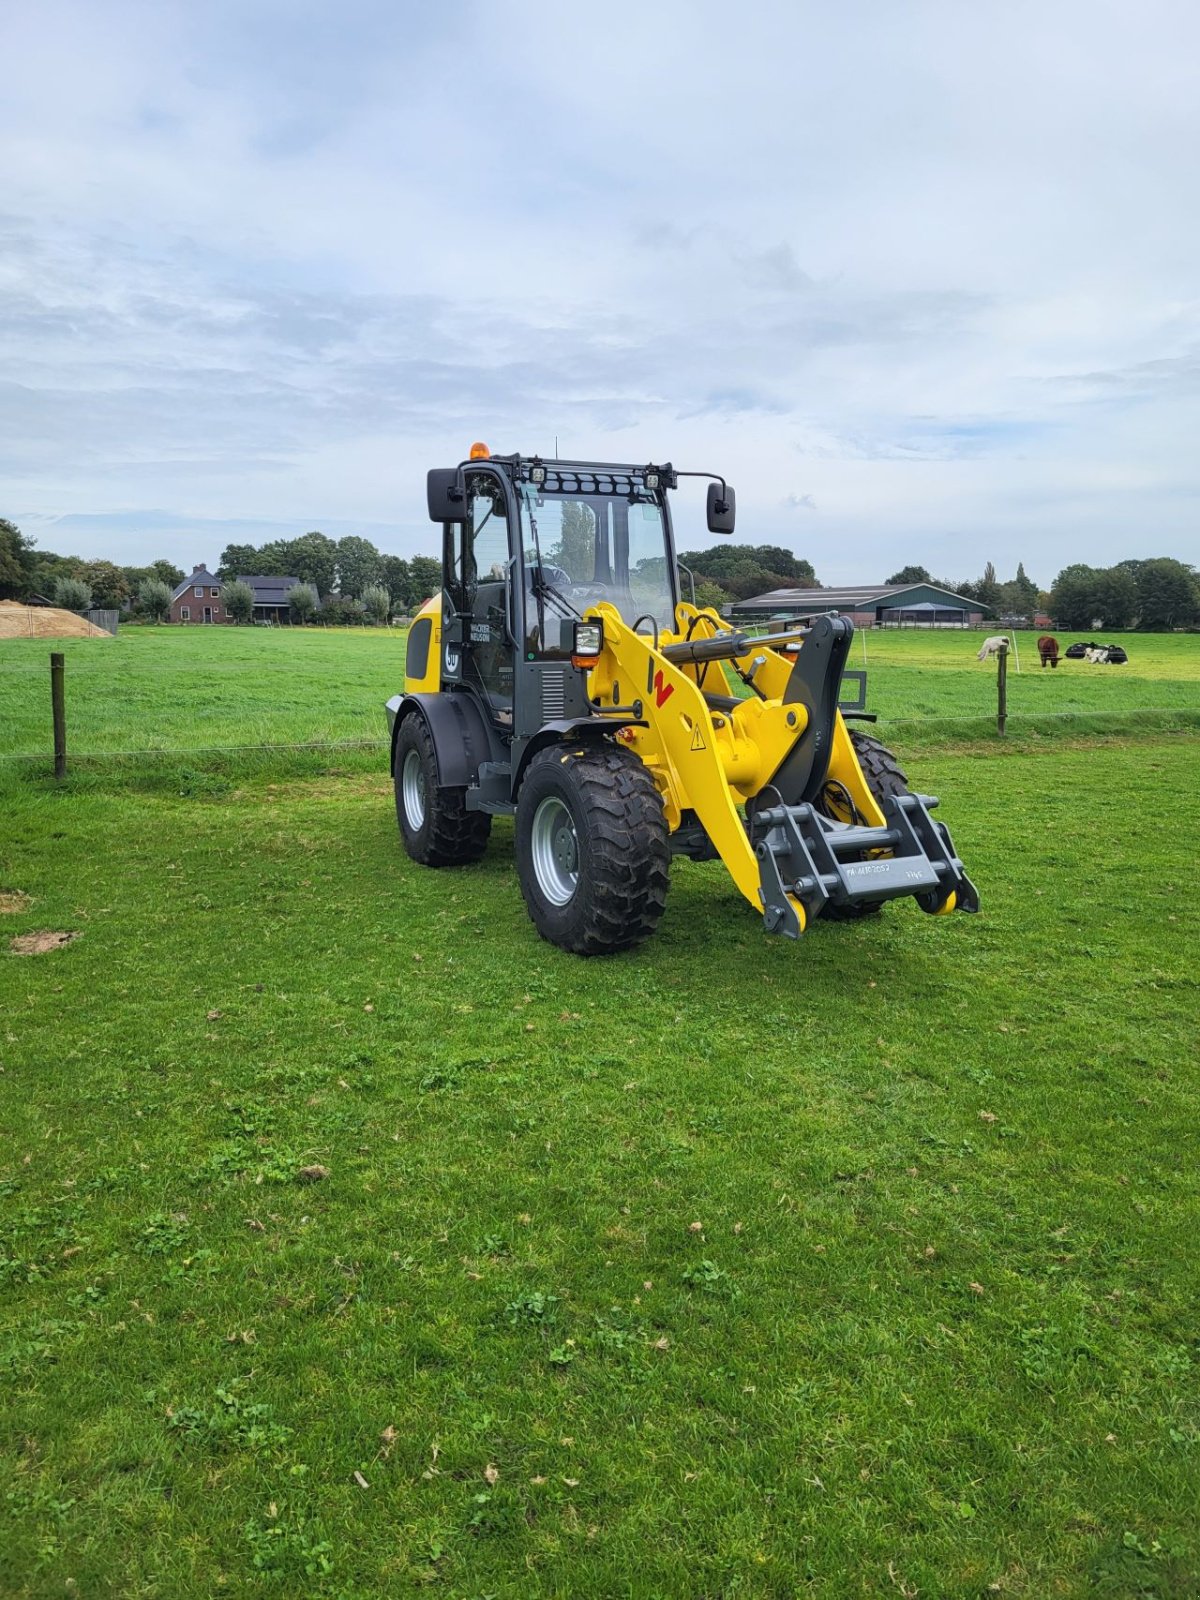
446, 494
721, 508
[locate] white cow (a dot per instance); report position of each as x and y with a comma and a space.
994, 645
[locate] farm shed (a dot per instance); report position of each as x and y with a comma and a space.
868, 605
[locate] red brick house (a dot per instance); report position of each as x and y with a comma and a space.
198, 599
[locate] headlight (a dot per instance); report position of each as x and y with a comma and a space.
589, 639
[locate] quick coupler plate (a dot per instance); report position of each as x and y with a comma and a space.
819, 861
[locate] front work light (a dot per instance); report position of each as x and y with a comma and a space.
537, 475
650, 479
480, 452
589, 641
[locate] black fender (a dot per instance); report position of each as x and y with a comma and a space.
570, 730
461, 742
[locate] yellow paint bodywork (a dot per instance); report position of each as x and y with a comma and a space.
705, 760
431, 679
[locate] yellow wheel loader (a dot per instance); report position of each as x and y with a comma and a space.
560, 677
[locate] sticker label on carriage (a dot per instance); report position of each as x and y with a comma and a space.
481, 633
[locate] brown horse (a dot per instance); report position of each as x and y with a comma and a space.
1048, 649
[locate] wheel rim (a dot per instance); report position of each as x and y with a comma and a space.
555, 849
412, 790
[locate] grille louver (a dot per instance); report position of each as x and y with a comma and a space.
554, 693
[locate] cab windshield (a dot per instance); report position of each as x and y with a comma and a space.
593, 548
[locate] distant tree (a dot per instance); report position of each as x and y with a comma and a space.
357, 566
237, 558
1087, 597
987, 590
1019, 596
154, 598
911, 575
1168, 594
239, 600
313, 559
73, 594
377, 602
15, 559
108, 584
743, 570
47, 568
341, 612
302, 602
275, 559
396, 578
426, 579
1117, 595
709, 593
167, 572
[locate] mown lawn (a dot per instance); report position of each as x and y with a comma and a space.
859, 1266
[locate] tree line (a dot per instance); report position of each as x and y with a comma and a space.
1155, 595
353, 581
345, 576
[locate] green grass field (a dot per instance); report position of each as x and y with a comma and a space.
195, 689
862, 1266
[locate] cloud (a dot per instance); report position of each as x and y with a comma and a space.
259, 267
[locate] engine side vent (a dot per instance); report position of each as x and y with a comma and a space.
554, 693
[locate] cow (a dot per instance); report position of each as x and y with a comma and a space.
1096, 654
1048, 650
993, 646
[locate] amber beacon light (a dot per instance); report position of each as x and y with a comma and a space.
480, 452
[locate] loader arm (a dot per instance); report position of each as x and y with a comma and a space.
702, 761
752, 772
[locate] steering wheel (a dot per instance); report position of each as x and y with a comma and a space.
590, 591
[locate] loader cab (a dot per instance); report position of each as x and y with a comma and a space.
528, 546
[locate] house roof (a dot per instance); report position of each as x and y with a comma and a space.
201, 576
269, 590
850, 597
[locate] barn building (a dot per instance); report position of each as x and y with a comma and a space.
868, 605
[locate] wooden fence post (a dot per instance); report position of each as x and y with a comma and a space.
59, 704
1001, 688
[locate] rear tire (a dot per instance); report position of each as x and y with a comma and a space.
592, 850
435, 825
884, 778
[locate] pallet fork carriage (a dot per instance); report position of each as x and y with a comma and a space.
560, 677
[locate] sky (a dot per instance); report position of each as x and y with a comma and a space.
922, 280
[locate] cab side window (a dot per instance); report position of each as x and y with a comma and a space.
487, 534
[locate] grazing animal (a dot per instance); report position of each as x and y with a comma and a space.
1048, 650
1096, 655
993, 646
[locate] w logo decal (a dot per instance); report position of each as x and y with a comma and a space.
662, 691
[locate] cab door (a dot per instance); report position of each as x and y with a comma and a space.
481, 590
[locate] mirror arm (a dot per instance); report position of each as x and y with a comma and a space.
715, 477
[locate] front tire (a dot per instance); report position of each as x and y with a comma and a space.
435, 825
592, 850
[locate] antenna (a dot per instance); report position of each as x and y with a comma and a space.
556, 447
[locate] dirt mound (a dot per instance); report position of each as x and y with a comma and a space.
45, 622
